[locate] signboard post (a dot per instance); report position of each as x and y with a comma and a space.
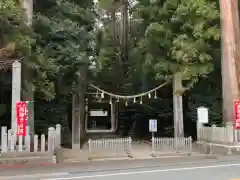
202, 118
153, 129
153, 126
21, 115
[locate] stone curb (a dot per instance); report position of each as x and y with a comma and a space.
150, 157
31, 176
26, 161
25, 165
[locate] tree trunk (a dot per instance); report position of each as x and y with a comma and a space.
124, 44
28, 90
235, 15
230, 91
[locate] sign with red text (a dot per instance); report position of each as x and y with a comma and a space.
21, 115
237, 114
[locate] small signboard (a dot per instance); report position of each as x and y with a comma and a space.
152, 125
202, 115
237, 114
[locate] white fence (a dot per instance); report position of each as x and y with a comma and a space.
13, 143
172, 144
214, 134
117, 144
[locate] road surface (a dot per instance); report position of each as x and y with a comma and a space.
154, 169
210, 172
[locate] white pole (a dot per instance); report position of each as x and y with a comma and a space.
16, 92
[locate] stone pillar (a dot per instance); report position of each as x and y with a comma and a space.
16, 93
177, 106
75, 122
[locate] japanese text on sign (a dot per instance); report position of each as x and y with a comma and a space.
21, 115
237, 114
152, 125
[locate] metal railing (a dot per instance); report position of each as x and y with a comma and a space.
214, 134
171, 144
116, 144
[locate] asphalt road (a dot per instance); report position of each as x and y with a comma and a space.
210, 172
154, 169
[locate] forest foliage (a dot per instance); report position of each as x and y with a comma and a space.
163, 37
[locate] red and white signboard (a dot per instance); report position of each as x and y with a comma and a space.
21, 114
237, 114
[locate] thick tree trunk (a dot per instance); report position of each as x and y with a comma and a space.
230, 91
235, 15
124, 37
28, 90
125, 34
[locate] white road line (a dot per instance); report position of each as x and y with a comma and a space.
144, 172
34, 175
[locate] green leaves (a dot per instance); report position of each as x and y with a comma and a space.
181, 34
59, 40
13, 27
65, 38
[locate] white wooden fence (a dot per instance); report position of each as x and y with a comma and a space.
171, 144
117, 144
214, 134
13, 143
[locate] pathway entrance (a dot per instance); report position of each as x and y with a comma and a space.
125, 148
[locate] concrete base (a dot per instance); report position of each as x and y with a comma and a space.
102, 155
25, 154
28, 160
156, 154
73, 155
17, 158
211, 148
